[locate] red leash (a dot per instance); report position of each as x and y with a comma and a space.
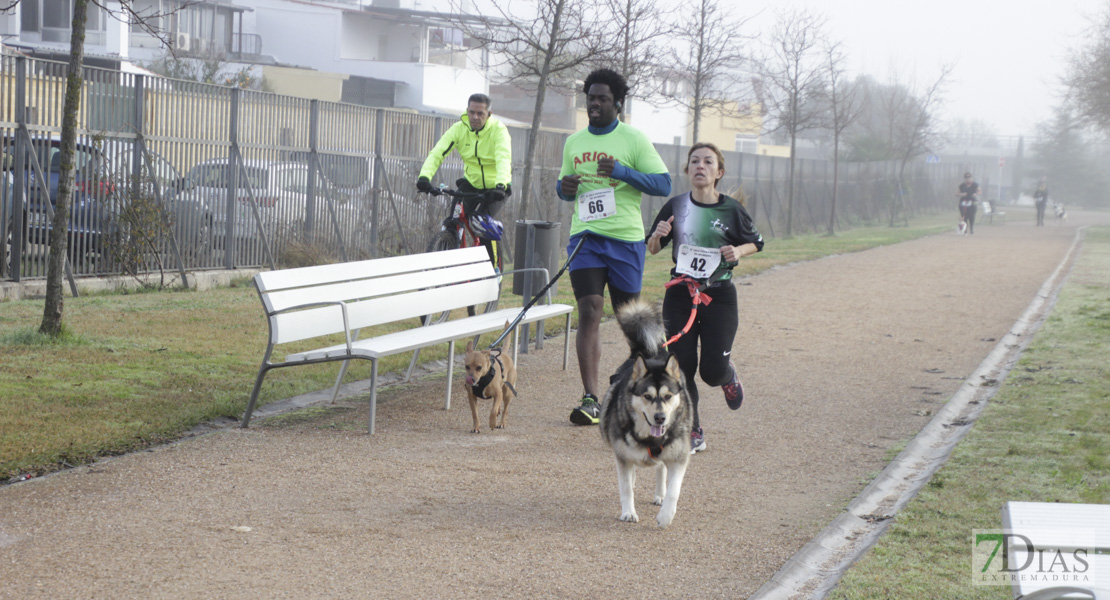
698, 298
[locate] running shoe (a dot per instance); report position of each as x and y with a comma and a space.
589, 413
697, 441
734, 390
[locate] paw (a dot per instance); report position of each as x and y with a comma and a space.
658, 501
630, 517
475, 430
664, 518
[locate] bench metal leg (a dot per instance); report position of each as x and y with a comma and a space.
450, 373
412, 364
373, 393
566, 343
257, 386
342, 372
516, 343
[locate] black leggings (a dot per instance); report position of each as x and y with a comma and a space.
715, 326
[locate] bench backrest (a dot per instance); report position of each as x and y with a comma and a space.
375, 291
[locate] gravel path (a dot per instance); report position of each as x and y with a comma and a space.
842, 359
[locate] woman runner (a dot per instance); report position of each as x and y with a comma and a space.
711, 233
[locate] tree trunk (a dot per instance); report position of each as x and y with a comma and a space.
541, 93
790, 187
52, 311
836, 182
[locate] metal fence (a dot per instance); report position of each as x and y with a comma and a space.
175, 176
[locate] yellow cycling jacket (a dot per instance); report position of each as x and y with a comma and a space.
487, 154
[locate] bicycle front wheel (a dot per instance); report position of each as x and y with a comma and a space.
444, 240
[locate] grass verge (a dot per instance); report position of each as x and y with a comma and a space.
1044, 437
140, 369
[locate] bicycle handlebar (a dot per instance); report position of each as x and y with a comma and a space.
445, 191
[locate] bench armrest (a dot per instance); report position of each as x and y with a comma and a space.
546, 278
342, 307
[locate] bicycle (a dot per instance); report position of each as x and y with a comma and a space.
456, 232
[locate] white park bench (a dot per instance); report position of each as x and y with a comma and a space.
327, 300
992, 213
1057, 526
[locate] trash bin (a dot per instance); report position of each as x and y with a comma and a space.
545, 252
537, 245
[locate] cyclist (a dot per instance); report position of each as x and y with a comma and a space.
484, 144
969, 197
606, 169
711, 233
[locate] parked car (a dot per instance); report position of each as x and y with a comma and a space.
101, 186
280, 189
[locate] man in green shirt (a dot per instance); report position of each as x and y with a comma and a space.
607, 167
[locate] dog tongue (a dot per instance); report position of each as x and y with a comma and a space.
469, 380
656, 431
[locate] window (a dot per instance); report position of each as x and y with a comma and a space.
57, 18
29, 16
58, 14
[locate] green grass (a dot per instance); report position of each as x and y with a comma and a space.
140, 369
1044, 437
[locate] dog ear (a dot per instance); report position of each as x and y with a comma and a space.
470, 346
673, 369
639, 368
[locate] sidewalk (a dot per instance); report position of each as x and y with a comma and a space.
842, 359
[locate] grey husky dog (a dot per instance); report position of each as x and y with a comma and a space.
646, 416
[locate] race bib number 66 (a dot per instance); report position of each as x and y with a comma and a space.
597, 204
697, 262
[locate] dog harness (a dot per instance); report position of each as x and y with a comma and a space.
695, 289
480, 386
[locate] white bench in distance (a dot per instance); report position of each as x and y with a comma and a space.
1056, 524
312, 302
991, 213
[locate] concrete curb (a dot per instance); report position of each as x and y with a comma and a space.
816, 569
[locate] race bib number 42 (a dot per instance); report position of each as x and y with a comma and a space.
597, 204
697, 262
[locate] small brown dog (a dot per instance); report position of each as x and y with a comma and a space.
490, 375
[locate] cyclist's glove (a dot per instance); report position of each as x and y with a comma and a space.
423, 185
497, 194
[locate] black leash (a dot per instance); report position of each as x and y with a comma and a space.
524, 310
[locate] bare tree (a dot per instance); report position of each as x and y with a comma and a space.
707, 58
541, 51
917, 130
1088, 77
53, 306
641, 28
845, 105
793, 78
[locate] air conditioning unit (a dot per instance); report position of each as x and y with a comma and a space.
182, 41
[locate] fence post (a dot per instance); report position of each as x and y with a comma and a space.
232, 180
18, 226
313, 169
379, 176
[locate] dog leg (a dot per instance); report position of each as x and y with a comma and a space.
626, 481
474, 413
674, 488
506, 397
493, 412
660, 483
